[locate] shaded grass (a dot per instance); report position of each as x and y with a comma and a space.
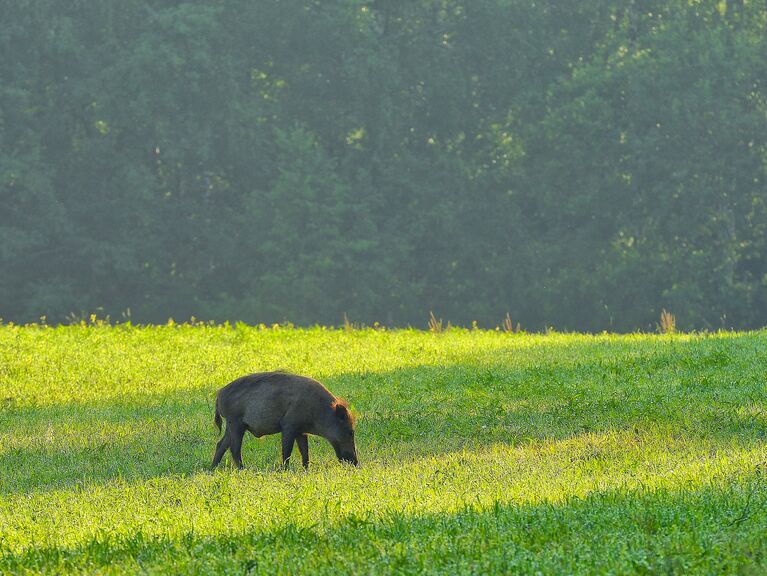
105, 434
695, 531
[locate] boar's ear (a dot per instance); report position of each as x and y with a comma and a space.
342, 412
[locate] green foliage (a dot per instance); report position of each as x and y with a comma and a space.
579, 164
482, 452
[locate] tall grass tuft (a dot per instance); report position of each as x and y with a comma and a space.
350, 326
667, 323
434, 324
508, 325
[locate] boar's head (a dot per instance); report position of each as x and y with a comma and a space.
342, 435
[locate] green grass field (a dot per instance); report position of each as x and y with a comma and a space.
482, 452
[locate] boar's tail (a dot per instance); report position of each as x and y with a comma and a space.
217, 419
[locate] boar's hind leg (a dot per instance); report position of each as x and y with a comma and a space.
303, 447
236, 431
221, 447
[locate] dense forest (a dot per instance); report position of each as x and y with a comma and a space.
581, 165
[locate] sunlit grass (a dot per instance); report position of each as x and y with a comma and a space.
482, 451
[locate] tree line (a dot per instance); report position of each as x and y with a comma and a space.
581, 165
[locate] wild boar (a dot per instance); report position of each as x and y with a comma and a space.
272, 402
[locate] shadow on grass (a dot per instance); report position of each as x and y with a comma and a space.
704, 529
706, 389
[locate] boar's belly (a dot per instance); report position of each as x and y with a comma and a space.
261, 422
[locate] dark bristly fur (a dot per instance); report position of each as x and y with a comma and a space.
272, 402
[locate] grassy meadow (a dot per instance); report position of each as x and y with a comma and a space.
482, 452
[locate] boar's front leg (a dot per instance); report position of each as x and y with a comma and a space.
303, 448
288, 438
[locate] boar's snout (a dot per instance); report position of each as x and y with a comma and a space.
347, 455
351, 458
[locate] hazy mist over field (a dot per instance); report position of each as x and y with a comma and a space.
582, 165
